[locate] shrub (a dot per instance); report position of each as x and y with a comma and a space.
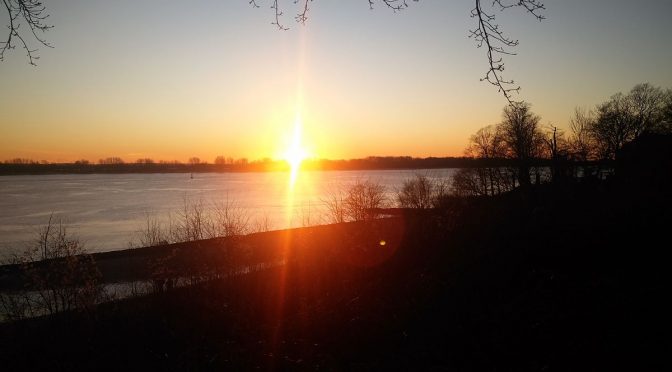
58, 276
417, 193
362, 199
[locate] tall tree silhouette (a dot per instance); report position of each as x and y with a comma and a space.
625, 117
488, 143
521, 134
580, 141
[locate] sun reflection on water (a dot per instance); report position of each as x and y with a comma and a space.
295, 153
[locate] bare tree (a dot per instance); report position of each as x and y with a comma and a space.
488, 143
363, 198
58, 272
192, 222
115, 160
580, 141
262, 224
355, 202
556, 148
647, 103
227, 218
625, 117
151, 233
665, 125
417, 193
523, 139
469, 182
195, 220
335, 205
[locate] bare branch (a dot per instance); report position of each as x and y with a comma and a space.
488, 33
395, 5
24, 12
278, 14
302, 16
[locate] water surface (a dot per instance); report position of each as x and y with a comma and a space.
106, 210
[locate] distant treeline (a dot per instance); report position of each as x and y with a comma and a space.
369, 163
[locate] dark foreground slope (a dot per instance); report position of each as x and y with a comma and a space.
567, 277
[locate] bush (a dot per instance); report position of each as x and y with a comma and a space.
362, 199
357, 202
420, 192
194, 221
58, 276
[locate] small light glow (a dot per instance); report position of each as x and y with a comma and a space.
382, 242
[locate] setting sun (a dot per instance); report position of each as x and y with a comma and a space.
295, 152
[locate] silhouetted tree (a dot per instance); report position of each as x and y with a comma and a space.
417, 193
556, 149
111, 161
469, 182
20, 161
626, 117
488, 143
334, 202
362, 199
580, 142
665, 125
648, 106
150, 233
227, 218
58, 272
194, 160
523, 139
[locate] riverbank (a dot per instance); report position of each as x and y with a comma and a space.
554, 278
232, 254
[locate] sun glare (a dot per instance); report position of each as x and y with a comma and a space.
295, 152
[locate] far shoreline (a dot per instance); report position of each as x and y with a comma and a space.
365, 164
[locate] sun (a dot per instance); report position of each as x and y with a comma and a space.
295, 153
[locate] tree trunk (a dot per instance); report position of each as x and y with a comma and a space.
524, 174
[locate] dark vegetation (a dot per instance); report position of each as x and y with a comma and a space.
596, 140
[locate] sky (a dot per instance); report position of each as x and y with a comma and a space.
169, 80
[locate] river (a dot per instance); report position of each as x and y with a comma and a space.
105, 211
